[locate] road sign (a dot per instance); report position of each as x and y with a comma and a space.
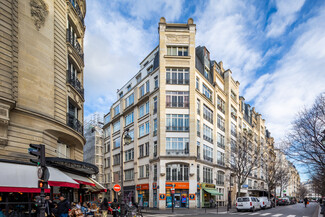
284, 191
117, 188
173, 191
245, 186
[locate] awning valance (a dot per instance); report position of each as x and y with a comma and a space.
98, 187
212, 191
58, 178
81, 179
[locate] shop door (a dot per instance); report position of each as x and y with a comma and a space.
198, 199
155, 204
177, 200
140, 199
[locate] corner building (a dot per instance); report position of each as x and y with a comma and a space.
183, 111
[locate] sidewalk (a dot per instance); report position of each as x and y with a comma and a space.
222, 209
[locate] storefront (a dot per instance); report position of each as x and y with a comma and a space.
198, 197
143, 195
155, 195
209, 192
129, 194
181, 194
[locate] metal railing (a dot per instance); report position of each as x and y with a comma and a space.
220, 145
172, 128
154, 133
206, 117
221, 127
177, 152
75, 44
75, 5
221, 163
177, 81
234, 133
74, 123
177, 105
210, 159
221, 109
73, 80
208, 139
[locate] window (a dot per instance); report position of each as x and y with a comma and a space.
121, 94
155, 149
221, 141
220, 178
177, 76
129, 154
141, 151
116, 159
147, 149
207, 73
107, 132
116, 110
220, 158
129, 87
221, 104
176, 122
129, 100
221, 123
207, 92
233, 145
155, 127
156, 82
147, 170
116, 126
144, 129
177, 172
233, 130
108, 146
149, 69
138, 78
207, 114
198, 128
155, 105
129, 174
177, 146
198, 105
116, 142
141, 171
198, 152
129, 119
233, 95
177, 51
197, 83
198, 172
207, 153
131, 134
233, 113
155, 172
145, 88
177, 99
144, 109
107, 119
207, 133
207, 175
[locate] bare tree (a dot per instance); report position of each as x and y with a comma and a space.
302, 191
272, 175
244, 158
283, 178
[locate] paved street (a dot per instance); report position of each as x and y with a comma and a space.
297, 210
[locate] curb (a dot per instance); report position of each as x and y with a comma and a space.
316, 212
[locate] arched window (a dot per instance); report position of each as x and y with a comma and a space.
177, 172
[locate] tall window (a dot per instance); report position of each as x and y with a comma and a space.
177, 144
146, 148
233, 130
233, 145
177, 76
116, 126
197, 83
220, 158
220, 178
177, 172
221, 141
129, 100
155, 149
145, 88
198, 105
207, 153
107, 119
144, 109
117, 142
155, 127
141, 171
198, 172
233, 113
129, 119
233, 95
155, 172
156, 82
177, 99
207, 114
198, 152
177, 51
207, 92
155, 105
116, 110
198, 128
129, 154
141, 151
221, 123
144, 129
177, 122
207, 73
207, 133
129, 174
207, 175
221, 104
116, 159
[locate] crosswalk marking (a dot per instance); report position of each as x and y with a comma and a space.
291, 216
256, 213
265, 214
277, 215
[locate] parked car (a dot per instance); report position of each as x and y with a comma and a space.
293, 200
265, 202
283, 201
247, 203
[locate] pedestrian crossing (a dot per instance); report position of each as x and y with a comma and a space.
223, 213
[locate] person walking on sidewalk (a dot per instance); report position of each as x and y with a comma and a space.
63, 207
305, 201
114, 206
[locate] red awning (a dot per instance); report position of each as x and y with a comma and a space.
58, 178
81, 179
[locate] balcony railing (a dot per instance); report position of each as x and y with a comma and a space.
182, 129
234, 116
74, 123
220, 108
220, 145
221, 127
177, 152
220, 183
234, 133
177, 81
208, 139
154, 133
177, 105
77, 8
75, 44
207, 158
206, 117
220, 163
71, 79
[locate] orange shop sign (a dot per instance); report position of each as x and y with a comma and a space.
143, 187
177, 185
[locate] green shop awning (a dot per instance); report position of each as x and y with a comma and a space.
212, 191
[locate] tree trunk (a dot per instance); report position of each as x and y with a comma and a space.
238, 190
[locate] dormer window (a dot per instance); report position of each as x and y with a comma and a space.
150, 69
139, 78
129, 87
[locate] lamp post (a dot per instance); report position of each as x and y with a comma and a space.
125, 139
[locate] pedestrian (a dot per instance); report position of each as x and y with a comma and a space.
104, 207
48, 206
306, 201
114, 206
211, 203
63, 207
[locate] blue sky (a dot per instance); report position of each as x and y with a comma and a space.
275, 49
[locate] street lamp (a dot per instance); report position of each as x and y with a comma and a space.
126, 139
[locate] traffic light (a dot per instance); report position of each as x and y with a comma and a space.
39, 152
42, 184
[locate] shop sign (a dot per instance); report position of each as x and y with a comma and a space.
162, 197
206, 185
198, 185
143, 187
177, 185
117, 188
154, 185
192, 196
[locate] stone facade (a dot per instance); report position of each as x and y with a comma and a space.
182, 110
41, 99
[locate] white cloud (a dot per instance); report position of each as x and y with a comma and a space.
298, 78
285, 15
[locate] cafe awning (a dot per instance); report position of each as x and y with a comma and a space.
58, 178
80, 179
212, 191
19, 178
98, 187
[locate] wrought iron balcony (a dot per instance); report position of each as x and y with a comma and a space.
74, 123
208, 118
71, 79
177, 105
220, 145
75, 44
221, 127
208, 139
222, 183
177, 81
177, 152
234, 133
207, 158
77, 9
175, 128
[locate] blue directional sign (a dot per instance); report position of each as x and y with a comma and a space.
245, 186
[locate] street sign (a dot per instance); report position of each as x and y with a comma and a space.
284, 191
117, 188
173, 191
245, 186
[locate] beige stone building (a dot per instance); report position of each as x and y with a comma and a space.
41, 87
184, 113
